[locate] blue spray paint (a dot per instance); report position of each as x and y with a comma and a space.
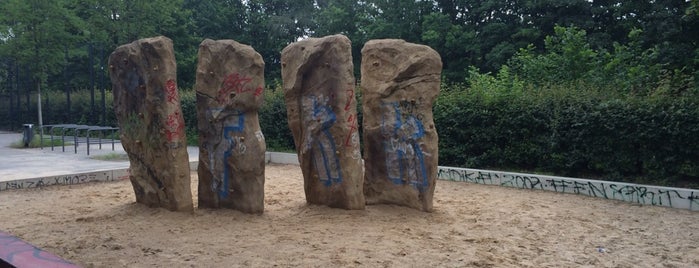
323, 153
237, 127
403, 132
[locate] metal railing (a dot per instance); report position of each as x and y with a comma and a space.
77, 139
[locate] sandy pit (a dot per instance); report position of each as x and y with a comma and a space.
100, 225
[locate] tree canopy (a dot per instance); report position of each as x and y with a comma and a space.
47, 36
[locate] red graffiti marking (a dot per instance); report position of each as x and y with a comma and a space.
174, 127
350, 97
258, 91
352, 120
235, 83
171, 92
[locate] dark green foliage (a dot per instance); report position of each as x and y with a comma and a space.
55, 111
573, 87
559, 112
571, 133
47, 36
28, 27
273, 121
188, 103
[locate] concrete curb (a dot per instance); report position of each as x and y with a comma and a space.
635, 193
282, 158
115, 174
629, 192
68, 179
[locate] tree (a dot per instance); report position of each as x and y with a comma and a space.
491, 32
119, 22
36, 30
693, 8
215, 19
456, 45
345, 17
276, 24
397, 19
567, 59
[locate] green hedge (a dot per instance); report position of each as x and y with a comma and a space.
561, 131
273, 121
572, 133
188, 102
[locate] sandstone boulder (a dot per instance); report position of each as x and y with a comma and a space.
230, 81
400, 82
147, 106
321, 108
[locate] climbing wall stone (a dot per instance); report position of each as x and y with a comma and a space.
400, 82
230, 83
147, 106
321, 107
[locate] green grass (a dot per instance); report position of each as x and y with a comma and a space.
36, 143
117, 157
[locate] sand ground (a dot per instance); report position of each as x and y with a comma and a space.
100, 225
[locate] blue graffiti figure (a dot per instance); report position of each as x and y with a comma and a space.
323, 150
405, 162
232, 146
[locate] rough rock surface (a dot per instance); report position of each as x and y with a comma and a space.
321, 108
400, 82
230, 80
147, 106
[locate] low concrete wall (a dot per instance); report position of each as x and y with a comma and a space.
629, 192
94, 176
282, 158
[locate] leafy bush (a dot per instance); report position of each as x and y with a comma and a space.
188, 103
571, 132
273, 121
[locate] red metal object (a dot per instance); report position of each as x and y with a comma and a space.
20, 254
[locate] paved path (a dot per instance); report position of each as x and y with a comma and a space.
17, 164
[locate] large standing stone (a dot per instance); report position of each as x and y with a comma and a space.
147, 106
321, 108
230, 80
400, 82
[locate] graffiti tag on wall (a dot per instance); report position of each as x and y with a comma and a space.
352, 139
403, 129
235, 84
171, 94
233, 144
634, 193
319, 118
174, 127
119, 174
